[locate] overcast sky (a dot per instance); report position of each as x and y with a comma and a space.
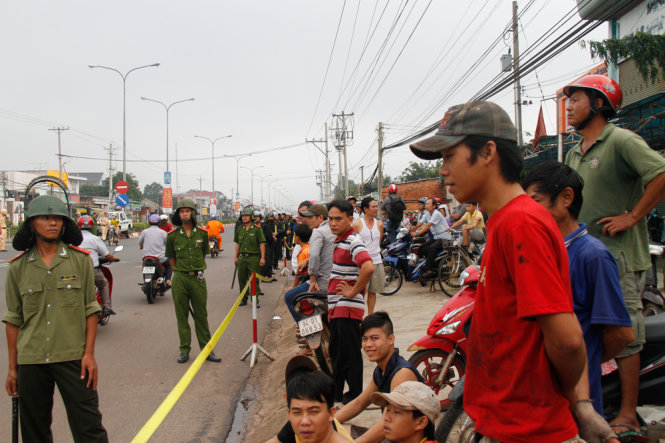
256, 70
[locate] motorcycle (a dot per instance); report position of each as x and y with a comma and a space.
154, 283
103, 318
402, 262
653, 302
113, 235
440, 356
456, 426
313, 309
214, 246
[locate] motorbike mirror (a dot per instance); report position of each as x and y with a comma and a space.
118, 248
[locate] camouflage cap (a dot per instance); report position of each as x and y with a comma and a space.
482, 118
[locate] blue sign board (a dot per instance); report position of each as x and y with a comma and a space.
122, 200
167, 178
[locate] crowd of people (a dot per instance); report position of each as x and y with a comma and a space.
559, 288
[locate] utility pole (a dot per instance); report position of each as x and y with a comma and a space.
516, 71
343, 138
328, 190
110, 149
325, 153
59, 130
380, 165
362, 181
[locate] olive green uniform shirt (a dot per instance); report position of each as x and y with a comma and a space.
616, 170
50, 305
249, 240
189, 252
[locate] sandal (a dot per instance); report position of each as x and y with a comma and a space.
631, 435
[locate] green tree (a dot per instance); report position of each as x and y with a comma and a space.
647, 50
134, 191
420, 171
94, 190
153, 192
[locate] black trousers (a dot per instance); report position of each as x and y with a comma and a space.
347, 359
266, 270
277, 251
35, 388
431, 249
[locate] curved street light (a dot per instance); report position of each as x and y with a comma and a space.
212, 145
124, 111
167, 108
262, 177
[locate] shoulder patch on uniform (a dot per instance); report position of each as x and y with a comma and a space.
172, 230
20, 255
76, 248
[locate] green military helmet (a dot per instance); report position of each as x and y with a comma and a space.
46, 205
187, 203
247, 211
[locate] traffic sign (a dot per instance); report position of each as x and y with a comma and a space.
167, 178
122, 200
122, 187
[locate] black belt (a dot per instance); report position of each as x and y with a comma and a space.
190, 272
246, 254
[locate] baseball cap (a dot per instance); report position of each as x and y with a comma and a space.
315, 210
412, 396
298, 363
478, 117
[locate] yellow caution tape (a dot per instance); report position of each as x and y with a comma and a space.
163, 410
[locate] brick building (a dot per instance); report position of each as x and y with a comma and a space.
411, 192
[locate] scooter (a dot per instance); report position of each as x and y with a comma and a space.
103, 318
153, 283
651, 398
440, 356
653, 301
313, 309
214, 246
402, 262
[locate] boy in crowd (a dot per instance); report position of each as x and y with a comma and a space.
371, 231
472, 229
300, 284
351, 270
410, 412
525, 342
594, 276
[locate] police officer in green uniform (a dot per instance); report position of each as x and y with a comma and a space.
186, 247
250, 243
52, 324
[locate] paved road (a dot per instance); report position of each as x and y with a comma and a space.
137, 350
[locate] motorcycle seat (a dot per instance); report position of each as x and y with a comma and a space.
654, 327
318, 295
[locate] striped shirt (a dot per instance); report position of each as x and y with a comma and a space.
348, 256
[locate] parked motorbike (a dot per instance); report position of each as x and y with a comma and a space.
456, 426
214, 246
402, 262
154, 283
103, 318
653, 301
441, 355
314, 327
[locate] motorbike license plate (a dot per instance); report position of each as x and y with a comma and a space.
310, 325
149, 270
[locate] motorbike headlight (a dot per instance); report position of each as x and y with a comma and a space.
449, 329
400, 236
463, 276
412, 258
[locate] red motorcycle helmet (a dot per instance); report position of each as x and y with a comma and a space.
85, 222
607, 88
392, 189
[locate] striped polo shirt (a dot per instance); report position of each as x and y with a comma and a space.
349, 254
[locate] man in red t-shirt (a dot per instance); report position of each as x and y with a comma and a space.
526, 350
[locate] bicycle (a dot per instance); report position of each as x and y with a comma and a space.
455, 259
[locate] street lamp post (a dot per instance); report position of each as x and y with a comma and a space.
262, 177
237, 159
212, 146
251, 170
124, 111
167, 108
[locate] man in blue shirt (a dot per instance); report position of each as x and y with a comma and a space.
594, 276
437, 226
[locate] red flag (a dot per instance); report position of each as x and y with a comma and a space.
540, 127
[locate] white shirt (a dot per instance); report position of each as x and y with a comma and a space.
95, 245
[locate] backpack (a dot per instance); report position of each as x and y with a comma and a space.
395, 208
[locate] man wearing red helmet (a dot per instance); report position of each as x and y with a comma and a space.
97, 249
394, 206
616, 162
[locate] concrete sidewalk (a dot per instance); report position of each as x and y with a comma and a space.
261, 410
